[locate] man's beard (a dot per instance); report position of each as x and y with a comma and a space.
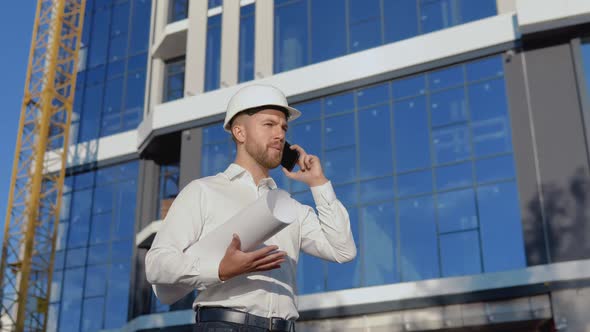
261, 154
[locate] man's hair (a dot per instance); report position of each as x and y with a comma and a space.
252, 111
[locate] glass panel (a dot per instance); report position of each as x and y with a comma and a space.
347, 194
290, 36
339, 131
460, 254
96, 280
495, 169
339, 103
456, 211
100, 38
445, 78
448, 107
70, 315
379, 245
76, 257
213, 58
328, 27
451, 144
410, 121
409, 87
415, 183
135, 92
365, 35
72, 286
56, 286
419, 252
375, 142
501, 227
340, 165
179, 10
140, 26
215, 158
401, 19
361, 10
491, 126
113, 96
117, 296
487, 68
372, 95
214, 134
475, 10
125, 218
454, 176
310, 110
310, 274
103, 199
438, 14
98, 254
93, 314
246, 51
377, 190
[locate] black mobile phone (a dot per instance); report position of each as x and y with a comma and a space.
290, 157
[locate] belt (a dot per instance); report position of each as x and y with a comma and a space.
217, 314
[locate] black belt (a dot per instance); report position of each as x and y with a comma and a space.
218, 314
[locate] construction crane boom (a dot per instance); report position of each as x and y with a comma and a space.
38, 172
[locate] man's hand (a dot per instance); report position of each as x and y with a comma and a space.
236, 262
310, 169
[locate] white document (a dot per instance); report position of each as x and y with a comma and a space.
267, 216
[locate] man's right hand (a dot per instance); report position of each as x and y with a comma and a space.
236, 262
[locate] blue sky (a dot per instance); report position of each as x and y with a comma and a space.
16, 25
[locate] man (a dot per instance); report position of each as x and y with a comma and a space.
249, 291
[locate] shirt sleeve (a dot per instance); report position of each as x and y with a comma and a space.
328, 234
166, 262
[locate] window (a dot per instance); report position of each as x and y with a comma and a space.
213, 53
174, 86
424, 165
178, 10
246, 51
111, 83
91, 278
311, 31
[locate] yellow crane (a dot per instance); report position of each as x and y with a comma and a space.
38, 171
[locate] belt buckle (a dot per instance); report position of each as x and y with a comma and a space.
279, 324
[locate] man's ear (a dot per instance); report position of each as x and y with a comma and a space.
239, 133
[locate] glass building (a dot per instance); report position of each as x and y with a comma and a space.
454, 132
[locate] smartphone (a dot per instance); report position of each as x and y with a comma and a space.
290, 157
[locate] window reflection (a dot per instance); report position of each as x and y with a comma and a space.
425, 168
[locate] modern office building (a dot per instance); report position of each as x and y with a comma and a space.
454, 131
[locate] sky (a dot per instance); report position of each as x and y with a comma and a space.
16, 28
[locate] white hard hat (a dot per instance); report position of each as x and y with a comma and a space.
257, 95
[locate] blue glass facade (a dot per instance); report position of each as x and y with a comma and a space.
424, 165
213, 53
178, 10
111, 82
246, 46
91, 281
310, 31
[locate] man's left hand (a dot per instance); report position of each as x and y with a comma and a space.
310, 169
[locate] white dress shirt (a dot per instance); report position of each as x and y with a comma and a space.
206, 203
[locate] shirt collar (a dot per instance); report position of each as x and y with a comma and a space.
235, 171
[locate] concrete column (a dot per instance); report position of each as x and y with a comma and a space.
506, 6
160, 17
196, 43
145, 212
157, 70
570, 309
190, 155
263, 42
230, 39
